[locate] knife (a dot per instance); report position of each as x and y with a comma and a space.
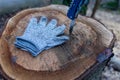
75, 8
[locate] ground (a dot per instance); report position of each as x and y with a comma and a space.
112, 21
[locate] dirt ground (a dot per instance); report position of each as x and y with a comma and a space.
112, 21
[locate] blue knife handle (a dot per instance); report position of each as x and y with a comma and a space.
74, 9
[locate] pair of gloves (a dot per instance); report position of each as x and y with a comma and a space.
40, 36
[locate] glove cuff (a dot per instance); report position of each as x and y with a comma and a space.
29, 46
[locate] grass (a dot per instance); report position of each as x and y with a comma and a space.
57, 1
112, 5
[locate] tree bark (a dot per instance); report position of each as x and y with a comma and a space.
97, 3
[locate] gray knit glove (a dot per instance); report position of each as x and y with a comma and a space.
40, 36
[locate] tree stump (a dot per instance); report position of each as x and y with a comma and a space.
64, 62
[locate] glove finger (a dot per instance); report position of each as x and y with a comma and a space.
58, 41
43, 21
32, 22
59, 30
52, 24
61, 38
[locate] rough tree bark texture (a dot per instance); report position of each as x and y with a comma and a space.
65, 62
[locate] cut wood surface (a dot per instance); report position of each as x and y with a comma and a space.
64, 62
